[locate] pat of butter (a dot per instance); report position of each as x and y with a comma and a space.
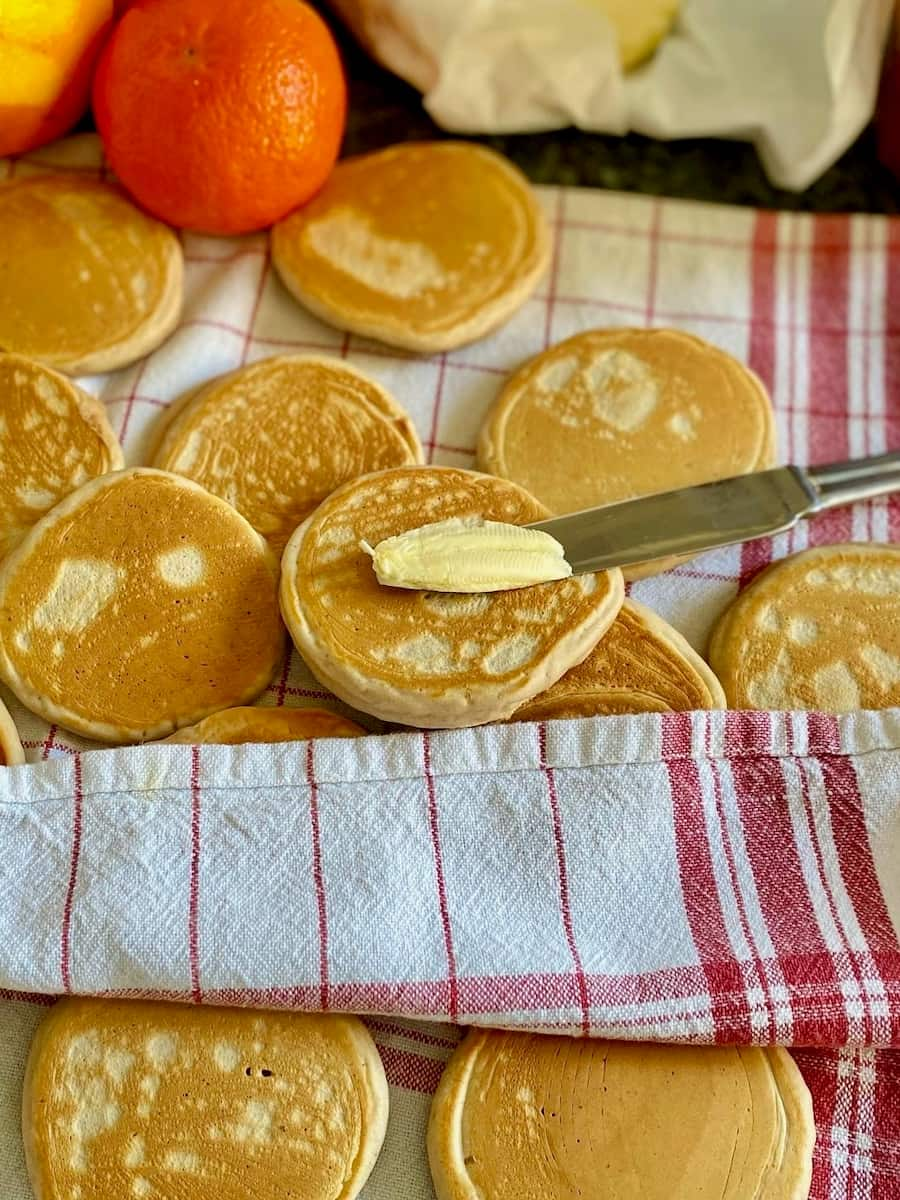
467, 554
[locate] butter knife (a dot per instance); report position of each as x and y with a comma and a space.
692, 520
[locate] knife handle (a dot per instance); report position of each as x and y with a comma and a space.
859, 479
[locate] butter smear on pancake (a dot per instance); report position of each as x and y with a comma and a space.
468, 554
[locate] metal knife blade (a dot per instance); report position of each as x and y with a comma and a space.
687, 521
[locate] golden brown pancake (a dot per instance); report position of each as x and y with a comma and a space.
431, 659
53, 438
139, 604
235, 726
88, 282
818, 630
425, 245
557, 1118
11, 751
277, 437
126, 1100
616, 413
641, 664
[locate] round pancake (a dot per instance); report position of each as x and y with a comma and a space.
275, 438
53, 438
615, 413
819, 630
557, 1118
133, 1099
431, 659
425, 245
139, 604
88, 282
640, 25
235, 726
11, 751
641, 664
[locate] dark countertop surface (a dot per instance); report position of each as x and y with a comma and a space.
383, 110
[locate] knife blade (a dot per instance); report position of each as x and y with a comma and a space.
707, 516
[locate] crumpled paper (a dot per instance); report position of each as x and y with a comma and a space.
797, 79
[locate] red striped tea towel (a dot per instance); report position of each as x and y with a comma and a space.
694, 877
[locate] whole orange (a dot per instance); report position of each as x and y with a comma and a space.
220, 115
47, 53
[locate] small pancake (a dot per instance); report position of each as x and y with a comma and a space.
235, 726
557, 1118
615, 413
131, 1099
53, 438
431, 659
88, 282
819, 630
277, 437
641, 664
139, 604
11, 752
425, 245
640, 25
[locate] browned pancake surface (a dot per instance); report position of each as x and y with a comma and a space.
139, 604
53, 438
235, 726
140, 1100
83, 273
819, 630
425, 245
277, 437
556, 1118
641, 664
616, 413
425, 657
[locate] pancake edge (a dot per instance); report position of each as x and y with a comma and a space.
179, 412
368, 1067
443, 1138
455, 708
184, 735
67, 718
444, 1132
489, 449
156, 325
393, 332
675, 641
91, 411
10, 742
722, 632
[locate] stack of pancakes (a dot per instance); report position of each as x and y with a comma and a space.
138, 603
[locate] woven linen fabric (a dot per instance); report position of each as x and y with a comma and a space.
694, 877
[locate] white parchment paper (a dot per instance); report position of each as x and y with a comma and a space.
798, 78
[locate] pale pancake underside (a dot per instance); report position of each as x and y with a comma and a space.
275, 438
235, 726
819, 630
641, 664
423, 245
138, 604
610, 414
430, 659
555, 1118
141, 1100
53, 438
88, 282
